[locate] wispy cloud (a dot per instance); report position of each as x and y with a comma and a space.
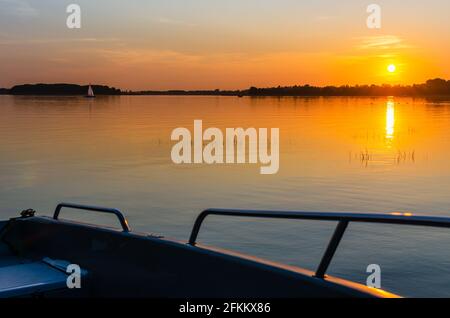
382, 42
164, 20
5, 40
18, 8
323, 17
129, 56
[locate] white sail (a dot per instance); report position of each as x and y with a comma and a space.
90, 91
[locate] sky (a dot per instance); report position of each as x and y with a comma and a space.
232, 44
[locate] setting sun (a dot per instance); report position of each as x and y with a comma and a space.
391, 68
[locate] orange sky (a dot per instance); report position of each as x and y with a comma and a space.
212, 44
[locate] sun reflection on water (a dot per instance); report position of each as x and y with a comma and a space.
390, 119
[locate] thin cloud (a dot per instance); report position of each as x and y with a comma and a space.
324, 17
382, 42
169, 21
18, 8
10, 41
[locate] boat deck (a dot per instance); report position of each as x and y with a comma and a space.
121, 263
125, 264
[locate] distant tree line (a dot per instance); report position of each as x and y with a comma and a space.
433, 87
59, 89
186, 92
430, 88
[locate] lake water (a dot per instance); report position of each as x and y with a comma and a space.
336, 154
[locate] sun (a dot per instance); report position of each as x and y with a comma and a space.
391, 68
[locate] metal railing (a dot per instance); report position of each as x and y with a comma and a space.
343, 220
123, 221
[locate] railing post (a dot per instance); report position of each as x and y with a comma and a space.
331, 249
197, 225
343, 218
123, 221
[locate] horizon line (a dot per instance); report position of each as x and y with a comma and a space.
384, 85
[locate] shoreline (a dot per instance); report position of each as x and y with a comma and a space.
431, 88
230, 95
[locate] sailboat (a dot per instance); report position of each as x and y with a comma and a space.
90, 93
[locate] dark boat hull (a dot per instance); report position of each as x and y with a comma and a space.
125, 264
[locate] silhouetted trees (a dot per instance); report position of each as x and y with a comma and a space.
215, 92
431, 87
61, 89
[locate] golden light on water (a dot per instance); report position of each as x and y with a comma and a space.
390, 119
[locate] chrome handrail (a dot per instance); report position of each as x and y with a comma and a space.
123, 221
343, 219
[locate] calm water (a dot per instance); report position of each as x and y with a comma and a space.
336, 154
